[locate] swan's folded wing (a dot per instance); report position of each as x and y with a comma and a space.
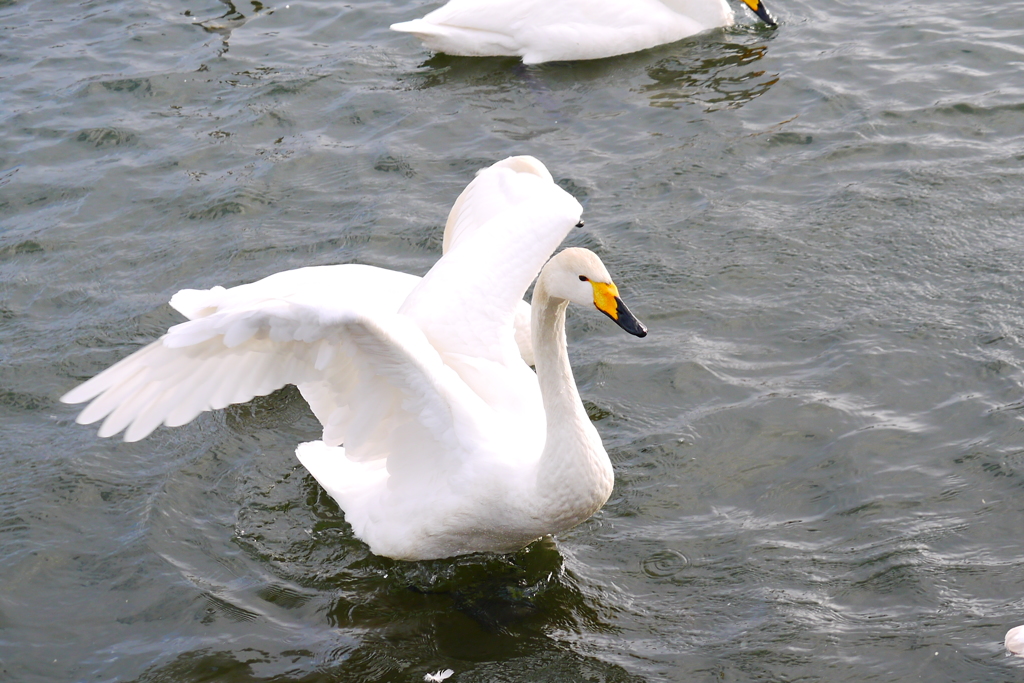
469, 28
377, 384
541, 31
488, 20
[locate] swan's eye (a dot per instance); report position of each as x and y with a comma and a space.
584, 278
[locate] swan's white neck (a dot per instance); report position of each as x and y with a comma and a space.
575, 475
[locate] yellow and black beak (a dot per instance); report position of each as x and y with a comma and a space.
758, 8
606, 298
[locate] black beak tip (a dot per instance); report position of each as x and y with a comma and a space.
762, 13
627, 321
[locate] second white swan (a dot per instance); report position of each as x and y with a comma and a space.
556, 30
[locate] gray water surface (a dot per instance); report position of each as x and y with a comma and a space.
819, 449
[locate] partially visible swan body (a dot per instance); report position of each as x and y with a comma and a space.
556, 30
438, 439
1014, 640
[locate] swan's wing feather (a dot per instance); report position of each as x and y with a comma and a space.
410, 405
524, 333
376, 383
192, 369
495, 190
498, 189
468, 302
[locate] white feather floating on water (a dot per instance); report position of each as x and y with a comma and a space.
439, 676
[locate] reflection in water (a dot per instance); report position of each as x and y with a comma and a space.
709, 73
229, 21
495, 612
442, 69
715, 82
291, 564
502, 594
486, 615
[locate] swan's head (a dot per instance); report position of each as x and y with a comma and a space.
579, 276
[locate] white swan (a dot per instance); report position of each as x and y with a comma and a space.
555, 30
451, 443
495, 189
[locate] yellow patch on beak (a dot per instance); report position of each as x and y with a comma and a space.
605, 294
753, 4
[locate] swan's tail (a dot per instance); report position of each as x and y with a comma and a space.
459, 41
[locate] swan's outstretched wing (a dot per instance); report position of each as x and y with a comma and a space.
495, 190
501, 231
389, 396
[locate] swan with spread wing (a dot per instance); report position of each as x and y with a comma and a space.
438, 439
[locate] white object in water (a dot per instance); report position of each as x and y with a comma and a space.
1015, 640
452, 444
439, 676
555, 30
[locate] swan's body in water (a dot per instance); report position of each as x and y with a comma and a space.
556, 30
438, 439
